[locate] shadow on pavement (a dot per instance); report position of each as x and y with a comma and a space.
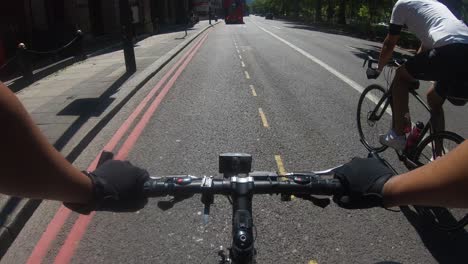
86, 108
8, 208
445, 247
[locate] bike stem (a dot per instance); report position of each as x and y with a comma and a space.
237, 167
242, 249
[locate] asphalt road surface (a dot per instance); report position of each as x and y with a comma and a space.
283, 92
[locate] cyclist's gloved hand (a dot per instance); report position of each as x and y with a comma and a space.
117, 187
372, 73
363, 181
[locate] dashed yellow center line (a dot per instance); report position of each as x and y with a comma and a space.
312, 262
279, 163
247, 75
263, 117
254, 93
243, 64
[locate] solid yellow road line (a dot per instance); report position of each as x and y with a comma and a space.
243, 64
263, 117
247, 75
254, 93
279, 163
313, 262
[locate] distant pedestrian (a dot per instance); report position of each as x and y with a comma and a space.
156, 25
187, 22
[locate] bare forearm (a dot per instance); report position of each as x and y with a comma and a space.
386, 53
443, 182
31, 167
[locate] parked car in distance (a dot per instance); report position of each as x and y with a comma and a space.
269, 16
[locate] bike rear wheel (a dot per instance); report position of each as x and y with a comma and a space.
443, 218
373, 121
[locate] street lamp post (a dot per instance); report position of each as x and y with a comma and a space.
126, 24
209, 11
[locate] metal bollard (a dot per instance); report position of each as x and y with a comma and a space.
80, 54
25, 62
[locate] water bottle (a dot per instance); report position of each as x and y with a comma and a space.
414, 135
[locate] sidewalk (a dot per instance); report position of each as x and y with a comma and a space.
74, 104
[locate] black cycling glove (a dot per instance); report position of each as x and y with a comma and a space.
372, 73
117, 187
363, 181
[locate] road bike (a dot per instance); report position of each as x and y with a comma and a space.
374, 118
239, 184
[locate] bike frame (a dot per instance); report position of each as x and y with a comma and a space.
379, 111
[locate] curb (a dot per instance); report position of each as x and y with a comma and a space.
26, 207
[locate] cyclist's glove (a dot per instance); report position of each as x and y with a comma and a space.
363, 181
372, 73
117, 187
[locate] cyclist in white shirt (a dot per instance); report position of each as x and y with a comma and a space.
442, 57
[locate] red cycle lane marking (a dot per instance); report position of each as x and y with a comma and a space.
132, 138
119, 134
54, 227
63, 213
79, 228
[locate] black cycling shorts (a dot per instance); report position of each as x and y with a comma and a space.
448, 65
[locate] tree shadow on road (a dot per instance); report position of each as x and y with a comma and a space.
445, 247
374, 52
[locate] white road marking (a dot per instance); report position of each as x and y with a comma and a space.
247, 75
243, 64
276, 27
341, 76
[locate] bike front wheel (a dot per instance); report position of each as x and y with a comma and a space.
431, 148
373, 116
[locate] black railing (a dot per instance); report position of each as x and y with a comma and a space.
24, 56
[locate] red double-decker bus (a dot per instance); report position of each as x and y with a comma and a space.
234, 11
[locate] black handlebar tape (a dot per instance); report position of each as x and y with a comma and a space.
160, 188
164, 187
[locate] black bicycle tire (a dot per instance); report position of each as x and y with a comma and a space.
427, 210
358, 117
